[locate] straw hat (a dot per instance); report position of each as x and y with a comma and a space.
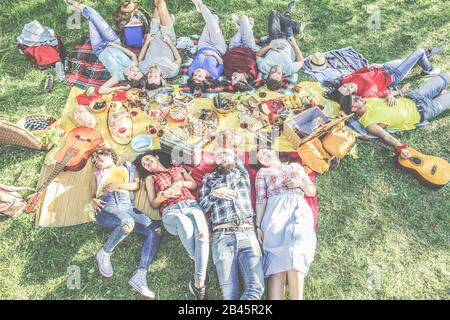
128, 6
318, 61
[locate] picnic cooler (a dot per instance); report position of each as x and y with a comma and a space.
134, 34
188, 152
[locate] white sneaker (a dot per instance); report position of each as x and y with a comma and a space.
235, 19
139, 283
432, 72
104, 263
198, 4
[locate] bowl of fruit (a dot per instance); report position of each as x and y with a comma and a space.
224, 103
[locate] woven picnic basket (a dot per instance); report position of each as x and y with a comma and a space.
27, 132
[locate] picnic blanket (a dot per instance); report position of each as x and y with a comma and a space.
64, 200
341, 62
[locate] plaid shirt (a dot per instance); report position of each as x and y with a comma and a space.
165, 179
270, 181
226, 211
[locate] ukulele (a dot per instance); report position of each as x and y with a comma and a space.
432, 172
80, 144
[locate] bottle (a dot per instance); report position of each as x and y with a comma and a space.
60, 71
48, 86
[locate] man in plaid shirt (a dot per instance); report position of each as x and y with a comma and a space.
225, 193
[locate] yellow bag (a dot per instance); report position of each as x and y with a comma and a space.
339, 141
314, 156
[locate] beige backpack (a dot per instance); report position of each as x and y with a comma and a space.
11, 202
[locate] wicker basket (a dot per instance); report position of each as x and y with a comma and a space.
17, 136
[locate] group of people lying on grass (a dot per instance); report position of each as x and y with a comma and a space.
160, 60
241, 61
281, 222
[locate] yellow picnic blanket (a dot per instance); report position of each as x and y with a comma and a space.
67, 195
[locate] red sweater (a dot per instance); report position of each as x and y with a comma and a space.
371, 83
242, 60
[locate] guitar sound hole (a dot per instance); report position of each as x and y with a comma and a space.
416, 161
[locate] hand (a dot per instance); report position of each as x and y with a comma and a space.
97, 204
405, 154
127, 87
225, 193
292, 41
178, 185
150, 37
260, 235
113, 45
172, 192
209, 53
167, 39
390, 100
293, 183
405, 89
111, 187
277, 47
375, 66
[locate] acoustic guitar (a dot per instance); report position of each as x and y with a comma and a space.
433, 172
79, 145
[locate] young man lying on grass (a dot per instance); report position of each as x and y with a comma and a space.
424, 103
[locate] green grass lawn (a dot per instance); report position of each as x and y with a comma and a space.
376, 224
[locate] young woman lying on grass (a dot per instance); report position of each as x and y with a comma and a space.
373, 81
113, 208
169, 188
120, 62
159, 58
285, 224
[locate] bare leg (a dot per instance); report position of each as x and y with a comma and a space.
164, 14
275, 290
296, 281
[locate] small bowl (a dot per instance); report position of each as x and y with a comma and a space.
141, 143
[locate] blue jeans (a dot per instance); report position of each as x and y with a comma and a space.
234, 252
100, 32
280, 26
244, 37
118, 214
399, 69
212, 36
187, 221
429, 104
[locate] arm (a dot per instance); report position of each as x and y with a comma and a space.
302, 181
378, 131
97, 204
175, 51
190, 182
109, 86
148, 40
129, 53
155, 202
213, 54
206, 198
263, 51
299, 60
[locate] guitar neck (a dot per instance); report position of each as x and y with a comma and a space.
58, 168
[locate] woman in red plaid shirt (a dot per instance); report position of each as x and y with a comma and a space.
285, 224
169, 189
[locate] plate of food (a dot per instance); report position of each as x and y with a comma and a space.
177, 113
98, 105
120, 124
